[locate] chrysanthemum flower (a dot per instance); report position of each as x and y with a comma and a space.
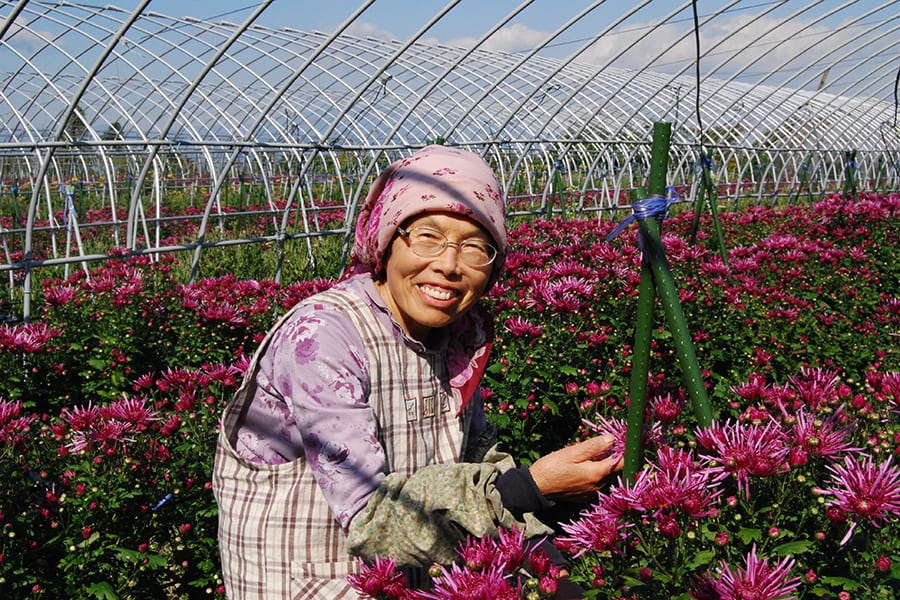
816, 387
458, 582
865, 489
745, 450
758, 581
821, 437
131, 410
676, 480
27, 337
101, 436
595, 529
378, 580
618, 429
666, 408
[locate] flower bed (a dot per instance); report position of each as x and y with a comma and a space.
109, 401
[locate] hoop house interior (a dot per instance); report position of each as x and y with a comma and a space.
128, 105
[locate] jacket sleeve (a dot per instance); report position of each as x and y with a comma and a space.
421, 519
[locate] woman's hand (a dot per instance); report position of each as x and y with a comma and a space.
575, 470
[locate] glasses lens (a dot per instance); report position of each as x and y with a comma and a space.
427, 243
477, 254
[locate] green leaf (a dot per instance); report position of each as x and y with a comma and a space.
97, 363
154, 561
843, 582
793, 548
569, 370
90, 540
749, 534
102, 591
704, 557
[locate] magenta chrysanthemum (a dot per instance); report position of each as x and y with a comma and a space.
676, 481
758, 581
745, 450
594, 530
378, 580
815, 436
865, 488
458, 582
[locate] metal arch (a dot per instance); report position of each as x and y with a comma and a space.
535, 89
437, 81
49, 154
522, 61
285, 86
780, 67
12, 17
762, 98
164, 131
848, 122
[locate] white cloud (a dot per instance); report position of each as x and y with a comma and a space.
727, 46
515, 38
365, 29
26, 39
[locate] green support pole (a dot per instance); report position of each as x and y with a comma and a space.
707, 191
655, 272
640, 369
850, 175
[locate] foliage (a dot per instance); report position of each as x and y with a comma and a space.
109, 402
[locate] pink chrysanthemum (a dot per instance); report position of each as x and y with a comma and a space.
595, 529
378, 580
758, 581
744, 450
816, 387
676, 481
666, 408
81, 417
865, 488
458, 582
26, 338
131, 410
618, 428
101, 436
821, 437
520, 327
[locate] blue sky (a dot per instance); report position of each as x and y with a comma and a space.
784, 37
470, 19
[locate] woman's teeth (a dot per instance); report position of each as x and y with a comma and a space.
438, 294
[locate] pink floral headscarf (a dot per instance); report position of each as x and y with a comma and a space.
438, 178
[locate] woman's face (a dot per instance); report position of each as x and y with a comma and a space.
427, 293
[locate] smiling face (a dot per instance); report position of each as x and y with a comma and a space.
427, 293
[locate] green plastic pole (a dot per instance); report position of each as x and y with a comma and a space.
655, 268
850, 175
640, 369
640, 363
706, 191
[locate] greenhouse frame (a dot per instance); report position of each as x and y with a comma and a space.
123, 107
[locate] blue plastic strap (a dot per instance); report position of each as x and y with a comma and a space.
654, 207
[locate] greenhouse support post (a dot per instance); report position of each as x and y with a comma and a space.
707, 192
655, 273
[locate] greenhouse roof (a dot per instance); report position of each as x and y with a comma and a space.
747, 74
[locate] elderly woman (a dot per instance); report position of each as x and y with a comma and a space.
359, 429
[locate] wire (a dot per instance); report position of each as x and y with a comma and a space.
896, 96
697, 71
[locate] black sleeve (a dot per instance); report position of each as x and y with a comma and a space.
519, 495
519, 492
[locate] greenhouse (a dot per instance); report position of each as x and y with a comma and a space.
125, 106
701, 205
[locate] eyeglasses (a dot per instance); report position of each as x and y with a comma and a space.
428, 243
